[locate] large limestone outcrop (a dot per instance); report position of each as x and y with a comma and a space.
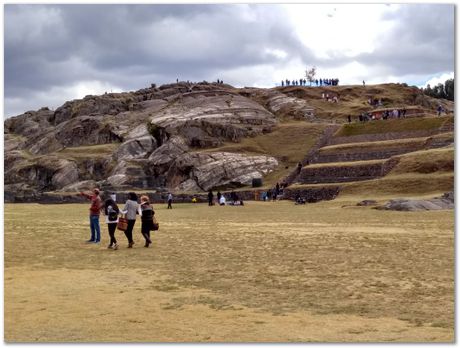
211, 170
151, 137
281, 104
46, 173
136, 148
437, 203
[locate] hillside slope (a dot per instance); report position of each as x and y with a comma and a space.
192, 137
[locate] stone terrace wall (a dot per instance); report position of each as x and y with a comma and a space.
312, 195
364, 155
332, 174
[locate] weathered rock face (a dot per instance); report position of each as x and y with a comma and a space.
213, 170
281, 104
46, 173
136, 148
152, 135
29, 124
108, 104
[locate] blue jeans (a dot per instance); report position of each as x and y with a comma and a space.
95, 229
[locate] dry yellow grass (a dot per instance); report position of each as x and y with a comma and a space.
265, 272
427, 161
393, 125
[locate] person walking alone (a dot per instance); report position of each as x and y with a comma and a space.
130, 209
170, 198
146, 212
111, 212
210, 198
94, 213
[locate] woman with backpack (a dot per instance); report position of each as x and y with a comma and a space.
130, 209
146, 212
111, 212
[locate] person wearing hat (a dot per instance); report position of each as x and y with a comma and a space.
94, 213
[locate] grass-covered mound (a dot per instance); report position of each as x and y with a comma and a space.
392, 125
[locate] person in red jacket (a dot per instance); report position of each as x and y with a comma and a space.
94, 213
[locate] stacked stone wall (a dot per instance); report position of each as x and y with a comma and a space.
335, 174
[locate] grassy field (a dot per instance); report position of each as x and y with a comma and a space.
265, 272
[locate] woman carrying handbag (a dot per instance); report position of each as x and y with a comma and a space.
130, 209
146, 212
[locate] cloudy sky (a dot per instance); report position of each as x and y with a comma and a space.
54, 53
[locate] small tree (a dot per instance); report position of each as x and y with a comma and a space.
310, 74
449, 89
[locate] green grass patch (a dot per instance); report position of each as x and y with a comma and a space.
345, 164
372, 145
87, 151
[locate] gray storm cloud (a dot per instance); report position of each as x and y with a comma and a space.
53, 47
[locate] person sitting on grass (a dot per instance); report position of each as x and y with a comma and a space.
94, 213
299, 200
222, 200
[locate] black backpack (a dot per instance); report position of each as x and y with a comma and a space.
113, 215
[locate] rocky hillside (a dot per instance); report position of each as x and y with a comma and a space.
185, 137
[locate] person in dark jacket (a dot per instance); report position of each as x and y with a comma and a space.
146, 212
210, 198
111, 212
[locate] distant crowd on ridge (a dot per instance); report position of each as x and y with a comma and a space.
303, 82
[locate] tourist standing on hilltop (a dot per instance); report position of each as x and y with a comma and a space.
210, 198
170, 199
94, 212
130, 209
111, 212
146, 212
439, 109
364, 84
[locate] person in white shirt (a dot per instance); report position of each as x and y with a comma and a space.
170, 198
222, 200
130, 209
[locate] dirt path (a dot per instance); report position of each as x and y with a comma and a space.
266, 272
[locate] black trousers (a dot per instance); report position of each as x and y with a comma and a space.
129, 230
169, 204
112, 228
145, 230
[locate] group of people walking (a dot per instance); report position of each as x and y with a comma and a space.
114, 215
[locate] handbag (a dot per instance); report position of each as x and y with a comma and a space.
155, 224
122, 224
